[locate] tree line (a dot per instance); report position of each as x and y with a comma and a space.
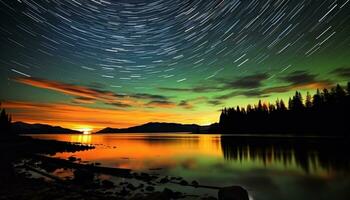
324, 113
5, 123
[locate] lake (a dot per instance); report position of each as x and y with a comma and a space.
268, 167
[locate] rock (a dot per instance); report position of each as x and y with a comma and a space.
107, 184
168, 193
177, 195
144, 177
150, 188
195, 183
164, 180
233, 193
183, 182
131, 187
124, 192
123, 183
209, 198
137, 196
83, 176
156, 196
72, 158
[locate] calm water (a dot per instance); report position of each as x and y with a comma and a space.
268, 168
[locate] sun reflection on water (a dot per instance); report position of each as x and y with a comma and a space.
81, 138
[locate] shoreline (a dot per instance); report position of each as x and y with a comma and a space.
26, 167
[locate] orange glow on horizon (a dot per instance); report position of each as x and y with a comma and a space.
87, 119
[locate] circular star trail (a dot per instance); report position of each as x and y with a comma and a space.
188, 50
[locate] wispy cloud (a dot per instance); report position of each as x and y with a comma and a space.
252, 86
343, 72
161, 104
298, 80
219, 85
76, 116
88, 95
246, 82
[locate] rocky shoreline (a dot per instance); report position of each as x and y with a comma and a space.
27, 173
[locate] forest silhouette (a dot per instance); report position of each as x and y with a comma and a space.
5, 123
325, 113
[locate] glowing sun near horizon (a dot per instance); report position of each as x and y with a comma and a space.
85, 130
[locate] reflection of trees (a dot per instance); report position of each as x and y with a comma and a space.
326, 153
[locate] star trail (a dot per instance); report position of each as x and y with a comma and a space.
167, 60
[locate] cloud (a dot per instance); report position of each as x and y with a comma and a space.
148, 96
197, 89
83, 100
71, 89
161, 104
186, 104
77, 116
302, 86
119, 104
247, 82
299, 78
214, 102
190, 103
343, 72
88, 95
247, 93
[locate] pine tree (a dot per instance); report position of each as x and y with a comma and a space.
339, 93
5, 122
283, 105
308, 103
317, 99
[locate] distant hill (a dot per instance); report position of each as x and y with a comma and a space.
156, 127
25, 128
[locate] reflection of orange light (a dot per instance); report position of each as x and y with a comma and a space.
132, 151
84, 138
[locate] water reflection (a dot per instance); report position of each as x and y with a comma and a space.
314, 155
81, 138
270, 168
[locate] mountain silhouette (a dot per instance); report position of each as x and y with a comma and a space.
25, 128
156, 127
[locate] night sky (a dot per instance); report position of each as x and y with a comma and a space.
87, 64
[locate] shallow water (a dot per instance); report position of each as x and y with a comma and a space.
268, 168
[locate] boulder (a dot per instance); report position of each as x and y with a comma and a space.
107, 184
72, 158
183, 182
131, 187
150, 188
83, 176
164, 180
195, 183
168, 193
233, 193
